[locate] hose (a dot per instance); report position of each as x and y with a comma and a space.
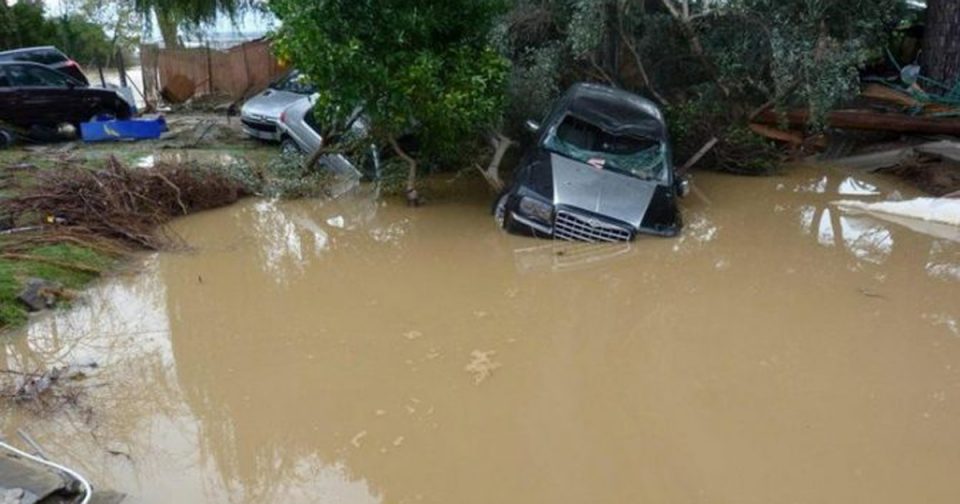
87, 488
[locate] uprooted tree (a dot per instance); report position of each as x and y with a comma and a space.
410, 65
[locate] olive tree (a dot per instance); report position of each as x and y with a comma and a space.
423, 65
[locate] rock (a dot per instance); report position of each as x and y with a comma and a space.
6, 139
39, 294
12, 496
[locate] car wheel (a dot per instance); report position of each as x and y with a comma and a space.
102, 115
500, 214
290, 148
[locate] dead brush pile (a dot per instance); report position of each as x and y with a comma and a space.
118, 203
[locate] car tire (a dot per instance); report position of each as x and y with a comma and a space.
501, 215
290, 148
100, 113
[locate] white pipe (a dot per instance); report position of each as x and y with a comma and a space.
87, 488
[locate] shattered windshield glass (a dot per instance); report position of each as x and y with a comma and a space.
629, 154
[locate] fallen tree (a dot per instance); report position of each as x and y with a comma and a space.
118, 203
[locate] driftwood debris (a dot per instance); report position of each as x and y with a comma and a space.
117, 203
791, 137
698, 155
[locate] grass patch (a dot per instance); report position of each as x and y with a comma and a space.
14, 272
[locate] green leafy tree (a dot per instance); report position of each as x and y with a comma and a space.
78, 36
27, 26
118, 19
409, 64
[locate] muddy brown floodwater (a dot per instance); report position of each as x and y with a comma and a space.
350, 351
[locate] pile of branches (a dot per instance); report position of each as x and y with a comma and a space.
45, 391
118, 203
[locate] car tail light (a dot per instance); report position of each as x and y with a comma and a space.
283, 116
74, 64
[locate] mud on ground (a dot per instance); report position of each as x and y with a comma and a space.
937, 178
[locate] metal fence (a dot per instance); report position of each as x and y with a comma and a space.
176, 75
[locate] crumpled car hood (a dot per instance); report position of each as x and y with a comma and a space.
603, 192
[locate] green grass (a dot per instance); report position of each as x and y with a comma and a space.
14, 272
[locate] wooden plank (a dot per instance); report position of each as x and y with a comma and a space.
772, 133
881, 92
872, 121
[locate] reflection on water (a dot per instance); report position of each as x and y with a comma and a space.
872, 238
356, 351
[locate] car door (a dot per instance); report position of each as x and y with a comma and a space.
46, 97
9, 101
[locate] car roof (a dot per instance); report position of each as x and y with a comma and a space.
20, 62
615, 109
29, 49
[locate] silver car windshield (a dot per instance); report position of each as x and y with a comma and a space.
632, 155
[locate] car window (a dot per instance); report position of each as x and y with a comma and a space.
311, 119
30, 75
46, 56
588, 143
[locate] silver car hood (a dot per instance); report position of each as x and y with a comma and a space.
269, 104
603, 192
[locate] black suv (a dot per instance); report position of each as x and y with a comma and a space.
47, 55
35, 95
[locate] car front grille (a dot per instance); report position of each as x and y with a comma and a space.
572, 227
258, 126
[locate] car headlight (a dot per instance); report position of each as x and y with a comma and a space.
536, 208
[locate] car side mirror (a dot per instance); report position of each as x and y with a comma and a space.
683, 187
532, 126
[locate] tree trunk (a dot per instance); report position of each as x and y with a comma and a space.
168, 25
941, 41
501, 144
413, 199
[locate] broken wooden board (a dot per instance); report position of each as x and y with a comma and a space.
867, 120
888, 94
791, 137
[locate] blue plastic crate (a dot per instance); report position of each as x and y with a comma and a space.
127, 129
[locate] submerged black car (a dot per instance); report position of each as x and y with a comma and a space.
600, 170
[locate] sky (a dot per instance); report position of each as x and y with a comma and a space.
250, 25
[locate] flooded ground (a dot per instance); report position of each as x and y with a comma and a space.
362, 352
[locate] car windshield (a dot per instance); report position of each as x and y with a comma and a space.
625, 153
36, 76
294, 82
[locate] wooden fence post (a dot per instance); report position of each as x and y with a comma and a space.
209, 70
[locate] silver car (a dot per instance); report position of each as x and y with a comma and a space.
299, 134
260, 114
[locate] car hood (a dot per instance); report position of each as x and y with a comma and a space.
269, 104
602, 192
